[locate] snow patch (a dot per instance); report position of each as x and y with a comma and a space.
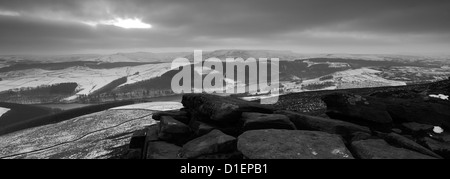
438, 130
3, 111
155, 106
71, 98
330, 64
439, 96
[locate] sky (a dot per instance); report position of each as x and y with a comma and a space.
304, 26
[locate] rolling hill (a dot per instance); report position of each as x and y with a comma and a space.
145, 74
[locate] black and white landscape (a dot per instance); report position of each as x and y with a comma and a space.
101, 78
92, 79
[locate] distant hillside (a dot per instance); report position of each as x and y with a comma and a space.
41, 94
141, 57
138, 57
65, 65
245, 54
146, 74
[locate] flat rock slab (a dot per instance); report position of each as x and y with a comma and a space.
414, 127
292, 144
178, 115
221, 109
444, 137
380, 149
200, 128
357, 136
211, 143
419, 111
404, 142
255, 121
96, 136
441, 148
173, 131
162, 150
306, 122
358, 109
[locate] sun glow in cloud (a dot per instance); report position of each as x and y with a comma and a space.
123, 23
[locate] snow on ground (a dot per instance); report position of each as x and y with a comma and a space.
146, 72
439, 96
89, 80
363, 78
356, 78
330, 64
155, 106
3, 111
438, 130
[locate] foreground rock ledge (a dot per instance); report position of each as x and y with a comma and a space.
306, 122
221, 109
255, 121
290, 144
354, 108
211, 143
380, 149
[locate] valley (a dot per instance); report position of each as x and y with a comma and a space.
92, 79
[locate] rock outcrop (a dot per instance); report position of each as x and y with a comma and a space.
221, 109
173, 131
441, 148
254, 121
306, 122
416, 128
420, 111
214, 127
179, 115
284, 144
380, 149
214, 142
404, 142
162, 150
385, 123
357, 109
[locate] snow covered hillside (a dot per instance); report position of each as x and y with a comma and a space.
88, 80
355, 78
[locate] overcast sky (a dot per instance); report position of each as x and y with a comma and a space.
306, 26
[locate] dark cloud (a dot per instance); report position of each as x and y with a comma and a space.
49, 26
